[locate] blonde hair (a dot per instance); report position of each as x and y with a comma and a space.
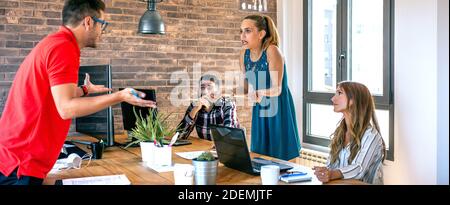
263, 22
362, 114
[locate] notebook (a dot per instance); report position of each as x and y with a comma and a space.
295, 177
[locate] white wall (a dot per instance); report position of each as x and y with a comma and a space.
416, 94
420, 83
443, 134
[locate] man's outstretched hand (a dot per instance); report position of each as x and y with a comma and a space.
94, 88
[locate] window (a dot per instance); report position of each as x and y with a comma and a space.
347, 40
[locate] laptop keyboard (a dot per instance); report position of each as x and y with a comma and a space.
257, 166
258, 162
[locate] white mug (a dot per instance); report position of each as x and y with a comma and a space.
270, 174
183, 174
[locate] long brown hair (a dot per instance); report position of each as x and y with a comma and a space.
362, 114
263, 22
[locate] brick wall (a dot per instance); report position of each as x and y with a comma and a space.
198, 31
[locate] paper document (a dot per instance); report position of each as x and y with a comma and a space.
99, 180
160, 168
189, 155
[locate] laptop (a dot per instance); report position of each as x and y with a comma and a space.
232, 151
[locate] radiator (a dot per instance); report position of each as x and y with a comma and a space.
311, 158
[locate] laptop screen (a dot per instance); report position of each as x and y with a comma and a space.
232, 148
128, 117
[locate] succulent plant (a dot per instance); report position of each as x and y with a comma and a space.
206, 156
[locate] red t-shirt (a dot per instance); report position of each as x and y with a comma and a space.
32, 132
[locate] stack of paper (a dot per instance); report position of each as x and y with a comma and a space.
99, 180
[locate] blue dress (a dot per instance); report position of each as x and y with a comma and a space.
274, 124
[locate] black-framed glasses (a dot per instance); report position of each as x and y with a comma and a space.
103, 22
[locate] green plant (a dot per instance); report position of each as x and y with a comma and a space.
152, 128
206, 156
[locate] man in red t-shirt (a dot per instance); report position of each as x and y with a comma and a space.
44, 96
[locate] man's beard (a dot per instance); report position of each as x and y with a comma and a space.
91, 41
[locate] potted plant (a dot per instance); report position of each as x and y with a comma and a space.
149, 133
205, 167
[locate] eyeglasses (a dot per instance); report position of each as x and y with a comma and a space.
103, 22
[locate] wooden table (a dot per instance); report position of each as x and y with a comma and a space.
128, 161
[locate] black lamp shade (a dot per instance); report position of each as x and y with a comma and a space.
151, 22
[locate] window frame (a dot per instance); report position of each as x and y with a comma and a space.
384, 102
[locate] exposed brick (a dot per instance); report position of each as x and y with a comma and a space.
176, 15
226, 50
47, 14
19, 44
121, 18
24, 52
202, 32
33, 5
14, 60
18, 28
33, 21
9, 52
8, 68
121, 4
12, 4
167, 7
216, 30
54, 22
114, 10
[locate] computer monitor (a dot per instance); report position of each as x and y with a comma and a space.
100, 124
128, 117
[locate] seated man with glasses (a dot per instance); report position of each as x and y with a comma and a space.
210, 108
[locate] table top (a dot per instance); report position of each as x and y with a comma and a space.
117, 160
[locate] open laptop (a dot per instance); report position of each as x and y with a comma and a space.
232, 151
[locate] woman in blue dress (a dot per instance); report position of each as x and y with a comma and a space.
274, 126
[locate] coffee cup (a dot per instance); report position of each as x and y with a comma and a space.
270, 174
183, 174
97, 149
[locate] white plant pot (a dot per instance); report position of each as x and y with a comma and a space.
153, 155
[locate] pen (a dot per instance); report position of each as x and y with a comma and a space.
294, 174
174, 139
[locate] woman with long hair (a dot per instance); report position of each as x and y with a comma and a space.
274, 126
357, 148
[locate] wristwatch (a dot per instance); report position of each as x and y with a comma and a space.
85, 90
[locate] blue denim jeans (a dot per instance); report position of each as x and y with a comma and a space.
23, 180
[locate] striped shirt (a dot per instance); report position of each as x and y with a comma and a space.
223, 113
367, 166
